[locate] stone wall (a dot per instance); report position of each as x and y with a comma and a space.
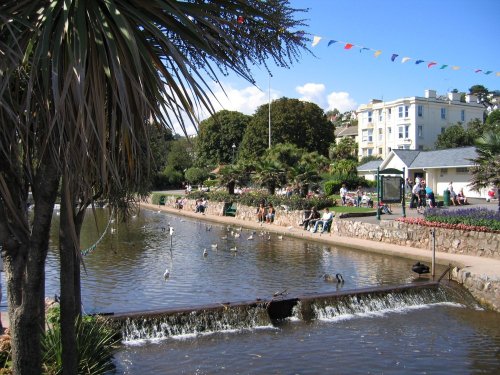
390, 231
447, 240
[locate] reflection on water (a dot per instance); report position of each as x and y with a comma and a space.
125, 273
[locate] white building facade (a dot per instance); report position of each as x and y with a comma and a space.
412, 123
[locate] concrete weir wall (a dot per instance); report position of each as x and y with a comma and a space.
478, 244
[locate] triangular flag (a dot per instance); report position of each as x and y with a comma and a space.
489, 72
455, 67
419, 62
478, 70
393, 57
348, 46
363, 49
431, 64
405, 59
331, 42
377, 53
497, 74
443, 66
316, 40
240, 19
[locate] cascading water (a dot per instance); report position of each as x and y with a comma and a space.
196, 322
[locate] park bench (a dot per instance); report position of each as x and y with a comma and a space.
162, 200
229, 209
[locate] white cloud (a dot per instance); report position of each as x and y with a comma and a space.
245, 100
312, 92
341, 101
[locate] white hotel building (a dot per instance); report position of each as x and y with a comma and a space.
412, 123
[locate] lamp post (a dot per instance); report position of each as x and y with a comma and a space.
234, 148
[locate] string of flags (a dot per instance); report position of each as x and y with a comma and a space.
395, 56
88, 250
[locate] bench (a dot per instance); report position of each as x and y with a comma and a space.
162, 200
229, 209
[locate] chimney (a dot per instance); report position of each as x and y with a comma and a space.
454, 96
469, 98
430, 94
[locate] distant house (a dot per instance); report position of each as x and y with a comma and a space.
438, 168
346, 132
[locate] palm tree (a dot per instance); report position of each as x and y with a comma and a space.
269, 174
81, 83
487, 170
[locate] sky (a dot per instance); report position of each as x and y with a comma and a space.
457, 33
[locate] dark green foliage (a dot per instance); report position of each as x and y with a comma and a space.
196, 175
293, 121
95, 341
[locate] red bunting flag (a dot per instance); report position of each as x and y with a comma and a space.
240, 19
348, 46
478, 70
431, 64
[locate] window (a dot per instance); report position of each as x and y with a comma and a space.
367, 135
370, 113
389, 130
420, 110
403, 131
443, 130
462, 170
380, 136
400, 109
406, 110
370, 152
462, 115
389, 113
443, 113
420, 131
444, 170
380, 151
389, 149
380, 117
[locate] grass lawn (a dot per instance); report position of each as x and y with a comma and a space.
341, 209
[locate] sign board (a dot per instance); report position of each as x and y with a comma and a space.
391, 189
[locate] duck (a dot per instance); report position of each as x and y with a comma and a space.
215, 246
166, 274
250, 237
233, 249
113, 230
205, 252
236, 235
223, 238
280, 237
420, 268
338, 278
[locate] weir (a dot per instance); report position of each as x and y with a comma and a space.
162, 324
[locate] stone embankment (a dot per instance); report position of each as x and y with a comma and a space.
462, 249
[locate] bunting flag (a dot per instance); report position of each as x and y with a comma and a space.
316, 40
376, 53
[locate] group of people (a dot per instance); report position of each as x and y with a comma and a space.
457, 199
360, 198
314, 220
421, 194
200, 205
266, 214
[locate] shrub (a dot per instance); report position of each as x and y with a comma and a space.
95, 342
332, 187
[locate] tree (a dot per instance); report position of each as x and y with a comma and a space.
181, 154
269, 174
79, 84
454, 136
347, 148
195, 175
493, 117
487, 170
217, 135
293, 121
232, 175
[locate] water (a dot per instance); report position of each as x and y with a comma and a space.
125, 273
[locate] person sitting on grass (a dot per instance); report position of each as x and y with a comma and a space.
326, 219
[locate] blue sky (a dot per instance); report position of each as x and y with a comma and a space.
462, 33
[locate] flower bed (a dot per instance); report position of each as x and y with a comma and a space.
475, 219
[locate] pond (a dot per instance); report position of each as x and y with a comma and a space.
125, 273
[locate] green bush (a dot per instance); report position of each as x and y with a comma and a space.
95, 342
332, 187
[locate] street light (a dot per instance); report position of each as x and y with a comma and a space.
234, 148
